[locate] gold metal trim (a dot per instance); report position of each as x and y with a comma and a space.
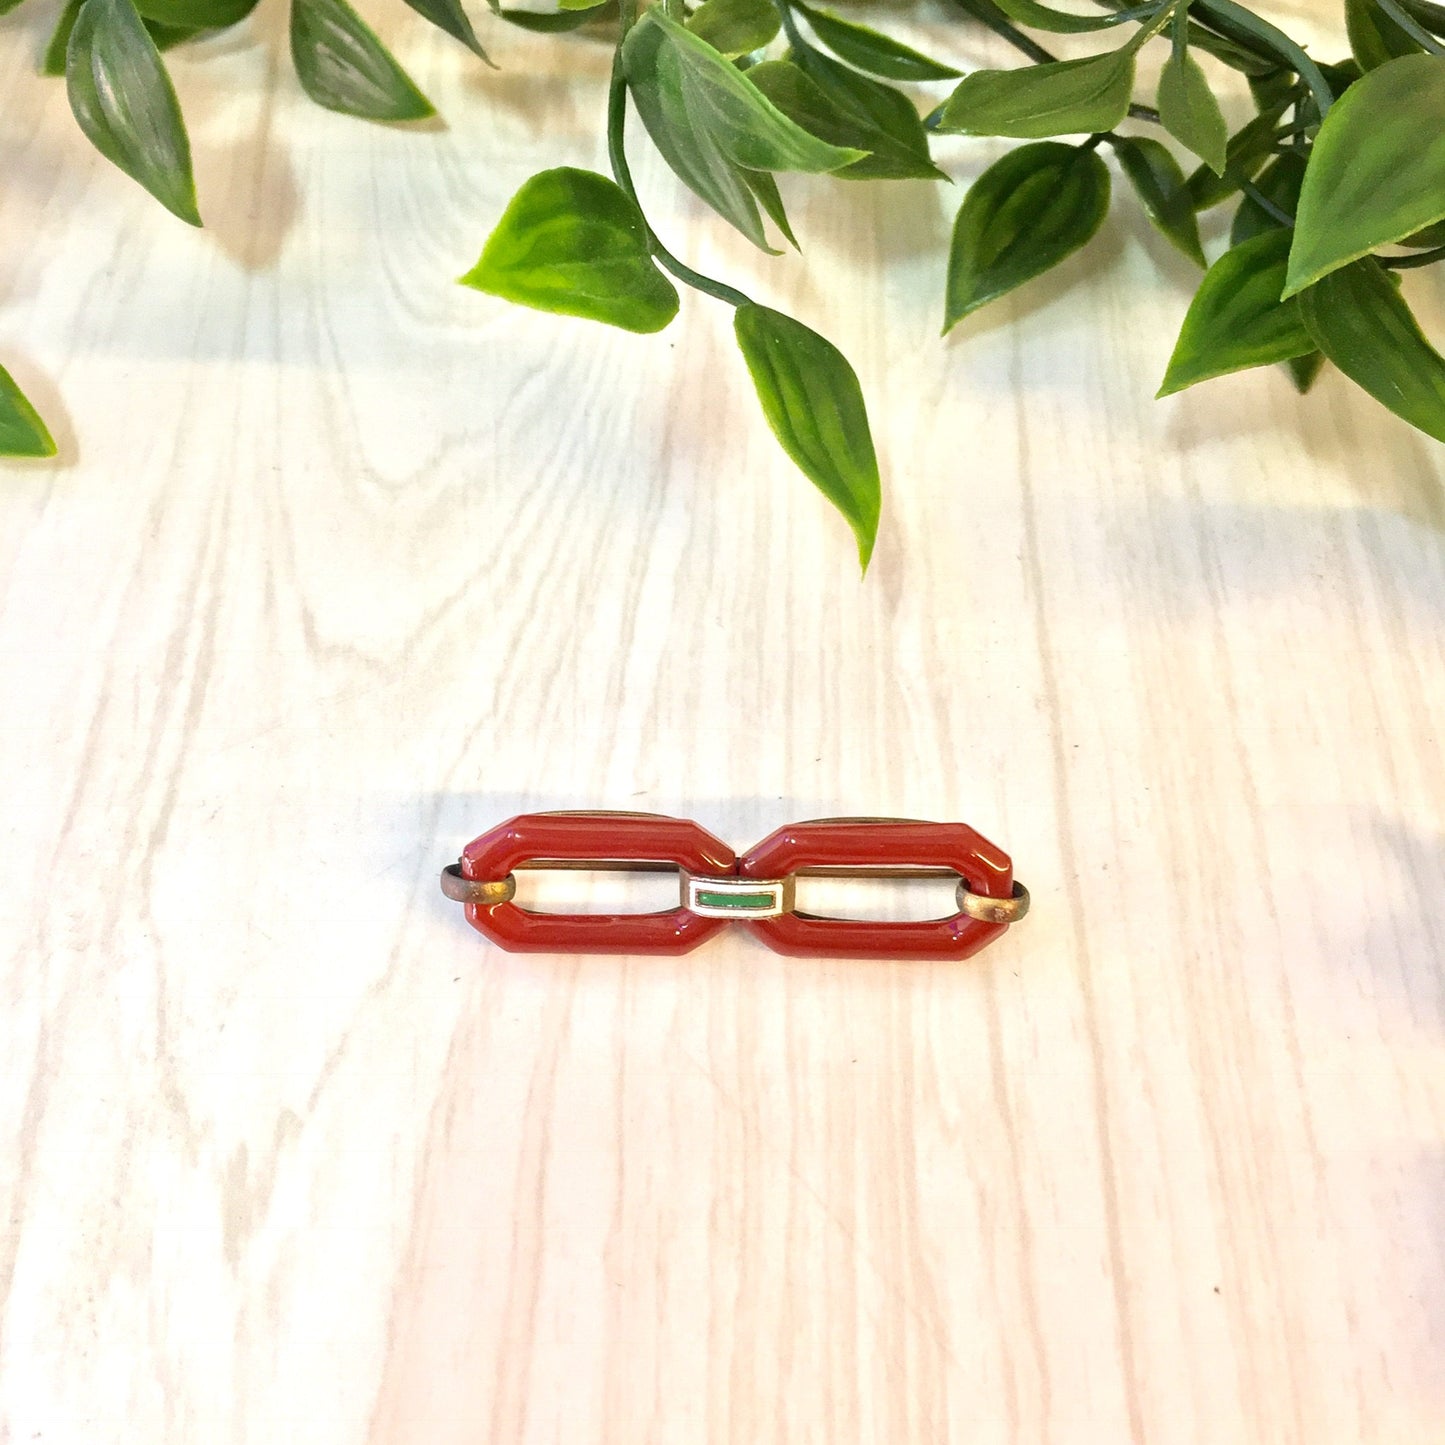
993, 910
484, 892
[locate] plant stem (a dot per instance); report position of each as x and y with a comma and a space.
622, 174
1000, 24
1407, 23
1230, 19
1408, 263
790, 25
1274, 212
1429, 14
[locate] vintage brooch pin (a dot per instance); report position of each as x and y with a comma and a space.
719, 887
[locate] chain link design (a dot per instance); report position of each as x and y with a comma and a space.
717, 887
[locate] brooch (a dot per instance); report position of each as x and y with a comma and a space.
717, 887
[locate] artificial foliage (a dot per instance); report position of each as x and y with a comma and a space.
1336, 182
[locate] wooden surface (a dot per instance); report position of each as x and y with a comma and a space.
342, 564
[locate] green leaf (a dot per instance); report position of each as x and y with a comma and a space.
195, 14
1362, 323
1428, 14
122, 97
669, 64
449, 16
546, 22
1304, 370
1278, 182
1237, 57
1375, 38
735, 27
343, 66
1064, 22
1273, 91
711, 122
53, 62
1245, 27
1427, 238
848, 109
1159, 183
812, 400
6, 6
574, 242
1064, 97
1377, 170
22, 433
1190, 112
1237, 319
871, 51
1341, 76
1022, 216
553, 22
765, 189
1249, 148
167, 37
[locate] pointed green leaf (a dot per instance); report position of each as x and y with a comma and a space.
1249, 148
812, 400
872, 51
1361, 322
711, 122
848, 109
1428, 14
1190, 112
1065, 97
1245, 27
1064, 22
1304, 370
53, 62
1237, 319
765, 190
343, 66
122, 97
167, 37
1374, 37
574, 242
735, 27
449, 16
547, 22
671, 66
1426, 239
1275, 90
1247, 62
195, 15
1159, 183
1278, 182
1022, 216
1340, 76
1377, 170
22, 433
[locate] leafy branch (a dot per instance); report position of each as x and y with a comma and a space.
1337, 180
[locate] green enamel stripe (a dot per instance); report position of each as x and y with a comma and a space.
735, 900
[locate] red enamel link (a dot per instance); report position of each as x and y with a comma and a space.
600, 837
865, 843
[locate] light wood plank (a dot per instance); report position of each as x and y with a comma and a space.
343, 564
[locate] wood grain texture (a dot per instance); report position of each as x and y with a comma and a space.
343, 564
